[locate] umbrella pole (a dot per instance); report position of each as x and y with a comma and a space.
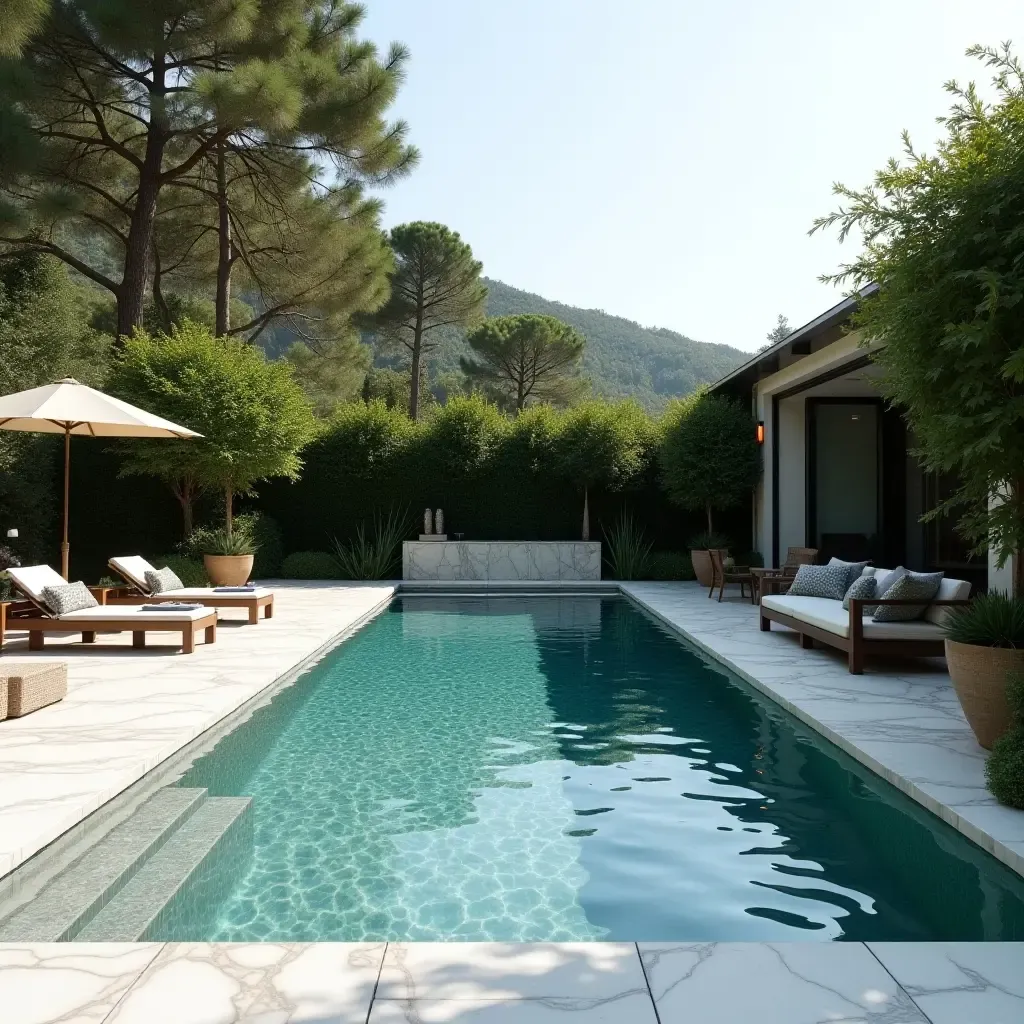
65, 547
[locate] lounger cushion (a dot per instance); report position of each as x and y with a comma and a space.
133, 568
209, 594
121, 612
32, 579
159, 581
949, 590
69, 597
829, 615
826, 581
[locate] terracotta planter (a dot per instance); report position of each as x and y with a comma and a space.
228, 570
979, 678
702, 567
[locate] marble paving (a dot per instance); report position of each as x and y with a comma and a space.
501, 560
901, 718
127, 710
512, 983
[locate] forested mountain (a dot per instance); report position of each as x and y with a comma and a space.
622, 359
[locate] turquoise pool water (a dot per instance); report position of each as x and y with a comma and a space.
559, 769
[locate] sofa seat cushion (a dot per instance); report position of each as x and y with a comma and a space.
829, 615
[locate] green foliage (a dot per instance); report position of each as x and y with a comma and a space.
709, 458
376, 555
19, 20
392, 388
942, 237
436, 283
253, 417
704, 540
330, 373
526, 358
627, 550
670, 565
224, 542
310, 565
607, 443
190, 571
621, 360
266, 536
990, 620
1004, 769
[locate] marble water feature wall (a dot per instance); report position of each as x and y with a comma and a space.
501, 560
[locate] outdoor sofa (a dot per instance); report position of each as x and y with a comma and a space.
133, 568
824, 619
35, 616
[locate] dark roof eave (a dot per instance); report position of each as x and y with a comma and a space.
839, 312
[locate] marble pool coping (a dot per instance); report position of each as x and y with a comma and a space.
128, 712
513, 983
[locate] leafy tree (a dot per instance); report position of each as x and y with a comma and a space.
436, 284
527, 358
19, 20
603, 443
123, 100
943, 239
780, 332
390, 386
709, 454
330, 372
252, 414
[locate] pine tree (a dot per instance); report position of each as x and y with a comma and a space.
436, 283
124, 100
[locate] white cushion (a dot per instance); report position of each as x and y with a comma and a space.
133, 568
122, 611
949, 590
206, 593
831, 616
32, 579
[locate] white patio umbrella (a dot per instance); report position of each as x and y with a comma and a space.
68, 407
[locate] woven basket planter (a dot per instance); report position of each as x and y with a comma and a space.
979, 677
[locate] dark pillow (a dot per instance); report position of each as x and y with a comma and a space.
69, 597
861, 587
820, 581
855, 568
911, 585
160, 581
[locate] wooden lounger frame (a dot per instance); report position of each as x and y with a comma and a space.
131, 594
857, 647
27, 615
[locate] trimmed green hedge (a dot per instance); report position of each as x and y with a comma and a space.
310, 565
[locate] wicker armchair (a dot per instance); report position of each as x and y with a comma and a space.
721, 574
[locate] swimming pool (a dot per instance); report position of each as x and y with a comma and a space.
565, 768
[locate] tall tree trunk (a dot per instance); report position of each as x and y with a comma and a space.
707, 508
520, 395
224, 249
586, 515
163, 310
229, 500
185, 491
131, 296
417, 352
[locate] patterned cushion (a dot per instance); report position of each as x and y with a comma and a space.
923, 585
855, 568
68, 598
820, 581
861, 587
161, 580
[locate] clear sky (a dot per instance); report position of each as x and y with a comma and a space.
663, 159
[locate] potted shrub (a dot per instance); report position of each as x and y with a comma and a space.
228, 557
700, 546
984, 645
710, 460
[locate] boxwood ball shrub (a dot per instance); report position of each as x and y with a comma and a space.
1004, 769
310, 565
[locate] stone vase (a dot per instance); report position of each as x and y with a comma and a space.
228, 570
702, 567
428, 522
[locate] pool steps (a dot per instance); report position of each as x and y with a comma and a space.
148, 856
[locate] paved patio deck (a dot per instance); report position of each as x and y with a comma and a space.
595, 983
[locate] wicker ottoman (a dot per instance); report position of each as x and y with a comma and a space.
31, 685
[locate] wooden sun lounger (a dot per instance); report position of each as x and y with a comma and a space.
33, 617
134, 593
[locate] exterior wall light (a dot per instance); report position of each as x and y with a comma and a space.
760, 431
